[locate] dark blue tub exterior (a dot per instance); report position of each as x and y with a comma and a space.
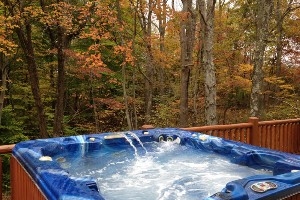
55, 182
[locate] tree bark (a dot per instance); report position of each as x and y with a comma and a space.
27, 47
60, 98
96, 117
149, 64
207, 10
135, 116
149, 85
262, 21
187, 37
199, 64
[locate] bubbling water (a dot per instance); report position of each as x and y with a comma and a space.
167, 171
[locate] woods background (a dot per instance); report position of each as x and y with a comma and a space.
75, 67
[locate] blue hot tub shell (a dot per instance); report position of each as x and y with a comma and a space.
55, 183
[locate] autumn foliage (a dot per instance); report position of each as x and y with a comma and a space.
112, 65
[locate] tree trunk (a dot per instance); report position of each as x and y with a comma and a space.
187, 37
280, 15
262, 21
61, 40
124, 80
135, 118
149, 85
96, 117
162, 9
24, 35
149, 64
279, 27
145, 19
59, 106
27, 47
199, 64
3, 69
207, 10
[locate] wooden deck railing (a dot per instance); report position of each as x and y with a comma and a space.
282, 135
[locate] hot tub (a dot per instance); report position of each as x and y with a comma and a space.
72, 167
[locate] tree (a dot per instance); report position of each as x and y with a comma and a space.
207, 9
263, 11
187, 38
7, 52
4, 74
283, 9
146, 24
79, 56
161, 13
124, 80
24, 32
63, 22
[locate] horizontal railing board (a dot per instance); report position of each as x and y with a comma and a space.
219, 127
4, 149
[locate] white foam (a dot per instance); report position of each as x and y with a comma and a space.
168, 171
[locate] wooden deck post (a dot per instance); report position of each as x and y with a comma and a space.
297, 147
254, 136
